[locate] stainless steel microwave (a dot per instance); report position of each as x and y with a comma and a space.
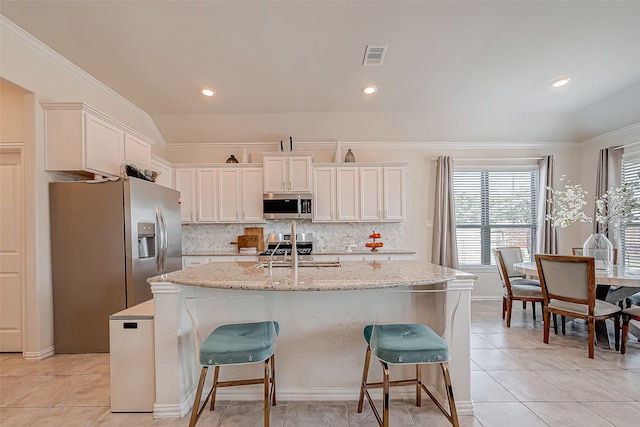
286, 206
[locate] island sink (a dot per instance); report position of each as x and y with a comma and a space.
287, 264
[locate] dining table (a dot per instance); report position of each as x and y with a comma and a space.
618, 276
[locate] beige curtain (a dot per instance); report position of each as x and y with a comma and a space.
547, 237
609, 175
444, 250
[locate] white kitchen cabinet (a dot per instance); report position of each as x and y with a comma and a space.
80, 139
185, 183
194, 261
287, 173
220, 194
347, 194
137, 151
207, 205
165, 171
240, 195
358, 193
371, 193
393, 194
252, 195
324, 194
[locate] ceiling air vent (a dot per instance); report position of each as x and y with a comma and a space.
374, 55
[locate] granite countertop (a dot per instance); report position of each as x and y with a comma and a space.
325, 252
352, 275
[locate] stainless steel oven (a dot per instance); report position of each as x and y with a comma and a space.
286, 206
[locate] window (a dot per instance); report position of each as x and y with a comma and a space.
630, 231
494, 208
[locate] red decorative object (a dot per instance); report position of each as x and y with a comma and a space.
374, 245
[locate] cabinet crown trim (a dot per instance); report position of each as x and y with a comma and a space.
357, 164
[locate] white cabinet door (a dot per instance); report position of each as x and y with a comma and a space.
275, 174
165, 173
300, 174
370, 193
287, 174
104, 146
324, 194
207, 194
393, 194
185, 184
252, 195
137, 151
347, 194
230, 195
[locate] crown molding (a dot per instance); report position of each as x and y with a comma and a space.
12, 30
437, 145
623, 136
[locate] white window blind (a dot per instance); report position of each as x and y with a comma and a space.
494, 208
631, 230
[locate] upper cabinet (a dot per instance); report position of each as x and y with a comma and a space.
373, 193
82, 140
220, 194
287, 173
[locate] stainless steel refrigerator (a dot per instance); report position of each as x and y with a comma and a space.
107, 238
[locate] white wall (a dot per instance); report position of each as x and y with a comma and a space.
44, 76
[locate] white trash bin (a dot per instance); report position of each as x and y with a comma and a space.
132, 359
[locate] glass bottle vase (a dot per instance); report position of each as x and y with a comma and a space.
599, 247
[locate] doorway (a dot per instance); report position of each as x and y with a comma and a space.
11, 249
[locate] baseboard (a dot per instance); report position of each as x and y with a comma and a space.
38, 355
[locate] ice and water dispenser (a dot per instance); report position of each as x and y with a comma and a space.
146, 240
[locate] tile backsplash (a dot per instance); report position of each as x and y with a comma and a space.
217, 238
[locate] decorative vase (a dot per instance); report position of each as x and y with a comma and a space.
349, 157
245, 156
337, 155
599, 247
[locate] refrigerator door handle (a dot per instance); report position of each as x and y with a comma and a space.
165, 235
161, 238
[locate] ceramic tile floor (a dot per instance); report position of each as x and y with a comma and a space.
516, 380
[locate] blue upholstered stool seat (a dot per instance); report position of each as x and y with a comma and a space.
407, 343
239, 343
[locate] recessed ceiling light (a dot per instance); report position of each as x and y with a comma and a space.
207, 92
560, 82
369, 90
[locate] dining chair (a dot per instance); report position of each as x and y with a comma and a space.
631, 313
233, 330
405, 339
615, 294
515, 288
569, 289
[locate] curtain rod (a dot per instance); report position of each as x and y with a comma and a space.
494, 159
623, 146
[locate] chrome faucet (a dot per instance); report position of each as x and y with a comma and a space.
294, 248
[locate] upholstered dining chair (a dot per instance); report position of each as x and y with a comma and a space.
233, 330
631, 313
515, 288
569, 289
403, 339
615, 294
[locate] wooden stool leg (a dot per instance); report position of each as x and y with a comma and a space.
625, 332
418, 385
273, 379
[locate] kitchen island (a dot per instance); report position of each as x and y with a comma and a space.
321, 311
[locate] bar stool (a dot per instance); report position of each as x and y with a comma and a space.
406, 343
631, 313
233, 330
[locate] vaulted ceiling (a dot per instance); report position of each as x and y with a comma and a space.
453, 71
